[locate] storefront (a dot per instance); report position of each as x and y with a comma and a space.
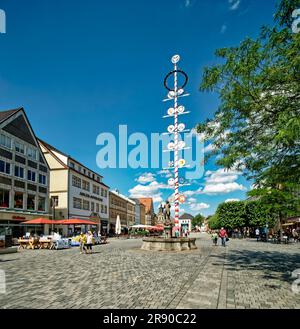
11, 224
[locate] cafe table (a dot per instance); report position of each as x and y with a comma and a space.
23, 243
45, 243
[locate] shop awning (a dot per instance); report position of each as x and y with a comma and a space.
75, 221
40, 221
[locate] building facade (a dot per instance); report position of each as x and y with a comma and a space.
131, 205
117, 206
75, 190
24, 175
149, 210
185, 222
139, 212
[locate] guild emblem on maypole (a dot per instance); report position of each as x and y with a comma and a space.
176, 92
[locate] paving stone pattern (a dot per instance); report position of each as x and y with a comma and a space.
245, 274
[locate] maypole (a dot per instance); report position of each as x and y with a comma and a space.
174, 94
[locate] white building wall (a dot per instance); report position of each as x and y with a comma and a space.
78, 193
184, 222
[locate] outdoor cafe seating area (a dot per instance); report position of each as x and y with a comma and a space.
45, 242
54, 241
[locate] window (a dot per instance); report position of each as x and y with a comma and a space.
97, 207
105, 209
72, 165
76, 181
89, 174
96, 189
77, 203
19, 172
84, 171
54, 201
19, 147
92, 206
93, 176
31, 175
42, 204
85, 185
4, 167
102, 192
4, 198
102, 209
79, 168
18, 201
86, 205
5, 141
30, 202
31, 153
42, 179
105, 193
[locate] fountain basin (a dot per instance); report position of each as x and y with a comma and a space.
168, 244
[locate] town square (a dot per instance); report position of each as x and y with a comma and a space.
119, 275
149, 156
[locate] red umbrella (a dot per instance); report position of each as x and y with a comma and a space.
39, 221
76, 221
158, 228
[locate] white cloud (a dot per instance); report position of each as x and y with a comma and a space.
146, 178
209, 148
192, 193
234, 4
151, 190
222, 181
232, 200
165, 173
199, 206
223, 188
223, 28
192, 200
221, 176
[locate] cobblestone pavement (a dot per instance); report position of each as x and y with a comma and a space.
245, 274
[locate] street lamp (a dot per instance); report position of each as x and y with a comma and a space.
53, 200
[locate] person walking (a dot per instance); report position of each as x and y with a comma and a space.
295, 235
89, 242
223, 235
214, 237
82, 241
257, 234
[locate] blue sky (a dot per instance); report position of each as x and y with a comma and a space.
80, 68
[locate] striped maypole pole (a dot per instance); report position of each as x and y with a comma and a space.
174, 93
176, 186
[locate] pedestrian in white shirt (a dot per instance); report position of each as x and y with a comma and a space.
89, 243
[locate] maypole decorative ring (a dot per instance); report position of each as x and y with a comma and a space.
172, 73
